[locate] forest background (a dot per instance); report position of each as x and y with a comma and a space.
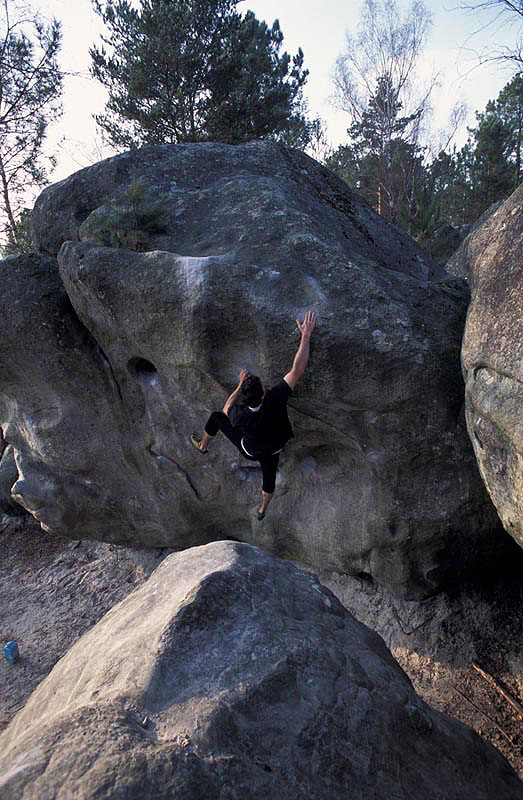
392, 123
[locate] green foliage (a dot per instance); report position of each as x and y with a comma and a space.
380, 162
489, 171
194, 70
488, 167
433, 200
447, 180
423, 218
508, 109
20, 240
253, 91
128, 221
376, 85
426, 220
30, 90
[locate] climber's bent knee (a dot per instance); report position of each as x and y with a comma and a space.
216, 422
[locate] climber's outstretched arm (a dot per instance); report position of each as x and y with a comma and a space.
301, 359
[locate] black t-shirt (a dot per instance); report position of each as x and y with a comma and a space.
265, 431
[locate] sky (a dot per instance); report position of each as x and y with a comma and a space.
317, 26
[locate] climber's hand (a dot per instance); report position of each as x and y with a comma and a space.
307, 326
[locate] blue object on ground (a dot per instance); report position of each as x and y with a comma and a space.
11, 652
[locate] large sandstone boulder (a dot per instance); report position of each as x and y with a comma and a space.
61, 411
476, 239
230, 673
380, 478
8, 476
493, 360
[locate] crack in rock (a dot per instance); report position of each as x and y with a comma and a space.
163, 457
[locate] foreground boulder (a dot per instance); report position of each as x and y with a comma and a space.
230, 673
493, 360
231, 244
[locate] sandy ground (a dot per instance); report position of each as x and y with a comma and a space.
436, 642
53, 590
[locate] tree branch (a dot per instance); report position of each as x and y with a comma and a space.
501, 689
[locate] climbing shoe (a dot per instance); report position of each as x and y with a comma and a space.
196, 443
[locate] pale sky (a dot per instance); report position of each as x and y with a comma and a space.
318, 27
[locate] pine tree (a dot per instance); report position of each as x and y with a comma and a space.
194, 70
488, 167
380, 162
449, 181
490, 171
253, 92
509, 108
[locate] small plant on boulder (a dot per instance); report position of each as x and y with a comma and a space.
127, 221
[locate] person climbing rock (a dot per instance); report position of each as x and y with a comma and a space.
256, 422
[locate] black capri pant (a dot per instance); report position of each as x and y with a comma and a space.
218, 421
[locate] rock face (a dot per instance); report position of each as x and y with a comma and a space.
231, 673
60, 409
477, 238
380, 478
8, 476
493, 360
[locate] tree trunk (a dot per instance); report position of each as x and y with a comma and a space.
8, 208
518, 147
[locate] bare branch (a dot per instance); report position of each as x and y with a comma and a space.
501, 689
385, 46
501, 5
507, 12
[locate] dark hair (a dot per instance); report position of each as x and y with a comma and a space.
252, 391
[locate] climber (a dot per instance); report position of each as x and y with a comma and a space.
255, 421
